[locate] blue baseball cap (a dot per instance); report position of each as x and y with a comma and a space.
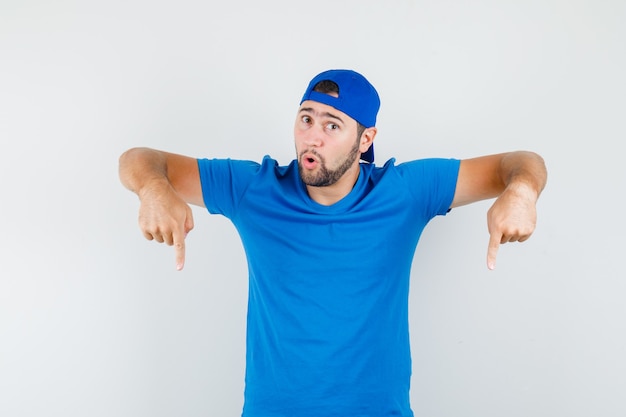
357, 98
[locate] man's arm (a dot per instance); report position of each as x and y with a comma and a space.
516, 179
166, 184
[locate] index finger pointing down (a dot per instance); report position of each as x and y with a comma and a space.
179, 248
492, 250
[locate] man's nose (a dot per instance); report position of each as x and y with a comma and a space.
314, 136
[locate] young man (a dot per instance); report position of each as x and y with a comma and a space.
330, 241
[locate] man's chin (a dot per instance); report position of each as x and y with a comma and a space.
313, 180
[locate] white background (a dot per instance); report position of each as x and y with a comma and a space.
96, 321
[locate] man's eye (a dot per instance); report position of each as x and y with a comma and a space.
306, 119
333, 126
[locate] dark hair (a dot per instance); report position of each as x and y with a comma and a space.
327, 87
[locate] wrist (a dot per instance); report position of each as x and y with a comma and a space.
153, 185
524, 188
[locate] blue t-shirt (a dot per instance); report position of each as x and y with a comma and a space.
327, 325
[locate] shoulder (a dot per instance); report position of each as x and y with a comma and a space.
429, 164
417, 167
244, 171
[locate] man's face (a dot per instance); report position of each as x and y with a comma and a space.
326, 143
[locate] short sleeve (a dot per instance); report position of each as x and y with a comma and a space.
432, 181
224, 182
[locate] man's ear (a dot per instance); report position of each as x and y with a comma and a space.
367, 138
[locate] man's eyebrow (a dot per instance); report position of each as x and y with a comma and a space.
327, 114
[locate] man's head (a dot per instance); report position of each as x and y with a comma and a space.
349, 92
329, 141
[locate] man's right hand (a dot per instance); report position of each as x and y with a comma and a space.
165, 217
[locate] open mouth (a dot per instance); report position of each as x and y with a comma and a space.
309, 161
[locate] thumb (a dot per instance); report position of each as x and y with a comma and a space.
492, 250
188, 225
